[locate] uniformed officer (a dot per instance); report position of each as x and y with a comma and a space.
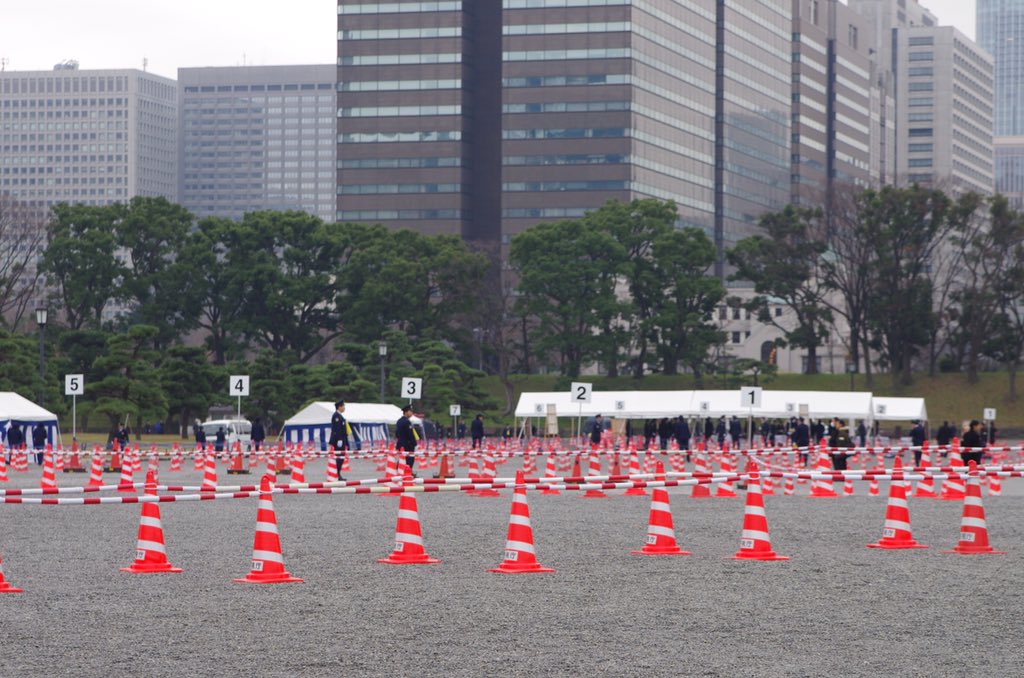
339, 435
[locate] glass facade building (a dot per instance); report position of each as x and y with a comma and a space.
256, 138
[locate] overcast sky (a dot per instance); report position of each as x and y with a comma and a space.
36, 34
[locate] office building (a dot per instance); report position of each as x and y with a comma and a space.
257, 138
942, 84
834, 98
484, 121
1000, 26
87, 136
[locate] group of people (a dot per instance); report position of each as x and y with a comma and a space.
406, 435
16, 439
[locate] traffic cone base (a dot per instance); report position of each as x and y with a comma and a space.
398, 558
6, 586
594, 494
151, 568
649, 550
894, 544
514, 568
758, 555
974, 551
272, 578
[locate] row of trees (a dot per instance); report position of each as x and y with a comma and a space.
920, 279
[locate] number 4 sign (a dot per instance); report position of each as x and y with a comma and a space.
238, 385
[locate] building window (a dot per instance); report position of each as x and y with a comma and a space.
736, 314
853, 36
735, 337
920, 131
922, 41
778, 311
921, 56
921, 86
919, 162
812, 13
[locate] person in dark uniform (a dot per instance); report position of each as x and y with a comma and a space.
972, 439
15, 439
39, 441
664, 433
477, 430
650, 430
596, 432
200, 434
682, 433
220, 439
339, 435
405, 436
258, 434
917, 438
735, 431
839, 441
802, 439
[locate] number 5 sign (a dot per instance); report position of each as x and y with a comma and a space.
581, 392
412, 388
238, 385
74, 384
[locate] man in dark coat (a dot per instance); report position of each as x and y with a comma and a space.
917, 438
220, 439
39, 441
477, 430
972, 443
735, 431
682, 433
405, 436
664, 433
802, 438
258, 434
597, 431
339, 435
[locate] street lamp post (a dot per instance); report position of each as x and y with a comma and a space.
383, 349
851, 369
41, 321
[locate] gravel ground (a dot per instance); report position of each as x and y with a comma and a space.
836, 608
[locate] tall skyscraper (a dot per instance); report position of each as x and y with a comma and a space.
943, 89
1000, 26
87, 136
486, 119
256, 138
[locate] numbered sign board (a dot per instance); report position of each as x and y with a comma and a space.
790, 408
74, 384
880, 409
412, 388
238, 385
989, 414
705, 406
455, 410
620, 405
750, 396
580, 392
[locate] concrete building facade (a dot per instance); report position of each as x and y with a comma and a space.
87, 136
1000, 27
257, 138
486, 120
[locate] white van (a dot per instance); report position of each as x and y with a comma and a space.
239, 430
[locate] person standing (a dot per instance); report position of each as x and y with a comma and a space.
596, 432
219, 440
39, 441
405, 436
15, 439
944, 435
683, 435
839, 441
802, 439
650, 430
339, 435
735, 432
257, 434
917, 438
664, 433
972, 443
476, 429
200, 433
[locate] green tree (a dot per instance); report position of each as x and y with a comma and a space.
905, 225
785, 267
638, 226
80, 264
190, 383
130, 387
567, 275
154, 231
684, 310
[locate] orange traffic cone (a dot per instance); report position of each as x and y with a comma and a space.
701, 490
755, 542
634, 470
595, 470
725, 488
443, 471
332, 467
74, 464
822, 487
661, 535
96, 468
896, 532
237, 465
267, 560
953, 487
49, 479
3, 466
408, 536
6, 586
973, 529
520, 557
926, 486
151, 554
550, 472
209, 474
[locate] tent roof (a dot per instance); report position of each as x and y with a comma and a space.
898, 409
14, 406
320, 413
711, 403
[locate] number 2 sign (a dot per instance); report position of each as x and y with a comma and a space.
581, 392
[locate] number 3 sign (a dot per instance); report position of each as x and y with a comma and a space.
412, 388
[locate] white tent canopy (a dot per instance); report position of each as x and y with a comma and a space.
369, 422
898, 409
709, 403
15, 409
